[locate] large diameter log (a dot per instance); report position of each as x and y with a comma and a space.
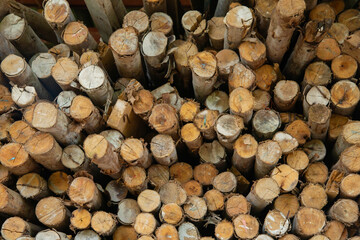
52, 212
65, 72
14, 157
19, 33
124, 44
163, 149
238, 22
345, 96
13, 204
276, 223
77, 36
195, 27
241, 76
19, 72
15, 227
83, 192
32, 186
241, 103
94, 81
319, 120
164, 120
267, 156
228, 128
349, 136
58, 14
246, 226
285, 17
345, 211
216, 32
308, 222
245, 148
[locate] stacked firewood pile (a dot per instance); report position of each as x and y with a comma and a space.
180, 127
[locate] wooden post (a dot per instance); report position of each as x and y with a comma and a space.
94, 81
241, 76
161, 22
288, 204
286, 93
23, 96
65, 73
252, 52
216, 31
135, 152
163, 149
77, 36
265, 123
238, 22
263, 10
245, 148
344, 67
285, 176
246, 226
195, 27
52, 212
213, 152
164, 120
19, 33
226, 60
347, 138
58, 14
228, 128
97, 223
19, 72
83, 192
315, 95
345, 211
319, 120
308, 222
80, 219
284, 19
125, 47
267, 156
32, 186
59, 182
349, 186
15, 228
241, 103
276, 223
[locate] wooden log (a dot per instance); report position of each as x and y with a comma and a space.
218, 101
125, 232
163, 149
241, 76
192, 137
328, 49
52, 212
339, 32
308, 222
164, 120
77, 36
213, 152
134, 179
104, 17
287, 142
8, 48
350, 45
289, 237
299, 130
204, 73
189, 231
138, 20
193, 188
51, 234
161, 22
128, 210
65, 72
32, 186
263, 10
345, 211
15, 227
285, 176
315, 95
297, 160
344, 67
158, 175
238, 22
83, 192
205, 173
337, 123
349, 186
252, 52
145, 224
284, 19
166, 231
125, 47
23, 96
216, 31
313, 196
188, 111
245, 148
263, 237
6, 121
195, 27
171, 214
317, 74
265, 123
115, 191
286, 93
14, 157
262, 193
246, 226
21, 35
288, 204
267, 156
228, 128
350, 19
20, 132
226, 61
103, 154
347, 138
205, 122
332, 186
151, 7
195, 208
149, 201
87, 234
97, 223
19, 72
215, 200
276, 223
59, 182
6, 99
315, 149
73, 157
265, 77
58, 14
14, 205
172, 192
316, 173
181, 172
44, 149
5, 176
143, 103
114, 137
224, 230
319, 120
60, 50
225, 182
241, 103
80, 219
335, 230
236, 204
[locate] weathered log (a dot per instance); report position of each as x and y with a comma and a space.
52, 212
97, 223
65, 73
32, 186
77, 36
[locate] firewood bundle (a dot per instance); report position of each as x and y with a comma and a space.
243, 124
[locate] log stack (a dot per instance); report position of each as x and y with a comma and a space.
245, 126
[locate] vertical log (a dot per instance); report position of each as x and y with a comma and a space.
245, 148
77, 36
267, 156
213, 152
32, 186
195, 27
128, 209
226, 60
52, 212
65, 72
161, 22
216, 31
286, 93
308, 222
241, 76
139, 20
228, 128
163, 149
97, 223
15, 227
241, 103
319, 120
252, 52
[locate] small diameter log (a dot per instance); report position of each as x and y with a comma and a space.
51, 234
134, 179
15, 227
241, 103
263, 10
103, 223
241, 76
87, 234
164, 120
319, 120
128, 210
286, 177
313, 196
328, 49
171, 213
21, 35
44, 149
267, 156
316, 173
195, 27
276, 223
236, 205
19, 72
84, 192
77, 36
213, 152
288, 204
172, 192
284, 19
103, 154
299, 130
308, 222
189, 231
297, 160
287, 142
145, 224
286, 94
350, 186
181, 172
80, 219
59, 182
195, 208
226, 60
228, 128
143, 103
266, 77
224, 230
138, 20
32, 186
262, 193
83, 111
23, 96
188, 111
161, 22
14, 205
349, 136
344, 67
265, 123
245, 149
163, 149
135, 152
315, 95
14, 157
246, 226
52, 212
20, 132
204, 74
6, 99
252, 52
335, 230
238, 22
215, 200
73, 157
124, 45
205, 122
317, 74
225, 182
65, 72
345, 211
205, 173
217, 100
315, 149
216, 31
158, 175
127, 232
165, 231
192, 137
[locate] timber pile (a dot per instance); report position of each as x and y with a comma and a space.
245, 126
